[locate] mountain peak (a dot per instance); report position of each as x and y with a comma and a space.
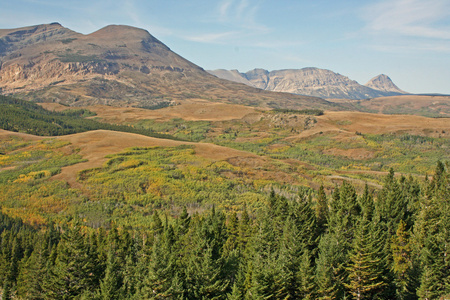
120, 31
313, 81
383, 83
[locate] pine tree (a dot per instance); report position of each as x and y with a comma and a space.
233, 233
364, 269
344, 212
33, 273
306, 277
288, 262
304, 217
330, 273
322, 210
162, 266
157, 225
432, 237
74, 270
184, 221
204, 275
402, 261
392, 205
111, 284
367, 204
244, 231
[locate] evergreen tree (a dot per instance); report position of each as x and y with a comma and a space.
365, 267
322, 210
157, 225
367, 204
288, 262
330, 272
111, 284
184, 220
304, 217
74, 270
162, 266
306, 277
344, 212
392, 205
244, 231
402, 261
33, 273
204, 275
432, 237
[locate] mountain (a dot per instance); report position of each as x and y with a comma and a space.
116, 65
384, 83
313, 82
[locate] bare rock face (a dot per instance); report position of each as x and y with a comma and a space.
308, 81
232, 75
384, 83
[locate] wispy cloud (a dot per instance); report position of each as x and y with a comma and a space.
412, 18
240, 13
223, 10
212, 37
402, 49
233, 21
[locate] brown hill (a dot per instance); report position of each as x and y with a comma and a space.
116, 65
424, 105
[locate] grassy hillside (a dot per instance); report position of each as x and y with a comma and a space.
24, 116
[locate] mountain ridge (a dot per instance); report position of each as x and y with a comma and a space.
116, 65
313, 82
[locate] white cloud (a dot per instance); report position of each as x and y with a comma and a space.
413, 18
240, 14
418, 48
223, 9
217, 38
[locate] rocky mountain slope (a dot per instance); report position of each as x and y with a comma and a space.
384, 83
313, 82
116, 65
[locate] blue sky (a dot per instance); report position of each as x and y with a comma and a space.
409, 40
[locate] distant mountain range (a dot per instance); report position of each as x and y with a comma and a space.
313, 82
116, 65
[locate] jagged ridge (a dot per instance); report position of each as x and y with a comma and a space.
311, 81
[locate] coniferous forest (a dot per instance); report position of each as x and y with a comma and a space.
392, 244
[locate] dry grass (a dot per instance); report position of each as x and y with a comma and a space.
411, 104
346, 124
95, 145
189, 110
5, 134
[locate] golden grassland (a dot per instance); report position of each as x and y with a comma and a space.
238, 155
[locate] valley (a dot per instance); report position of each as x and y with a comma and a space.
129, 172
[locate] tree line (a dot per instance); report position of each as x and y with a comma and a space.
25, 116
390, 245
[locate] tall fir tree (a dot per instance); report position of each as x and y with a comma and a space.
365, 268
33, 272
111, 284
432, 237
321, 210
330, 272
402, 262
74, 269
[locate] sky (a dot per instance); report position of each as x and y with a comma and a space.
408, 40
